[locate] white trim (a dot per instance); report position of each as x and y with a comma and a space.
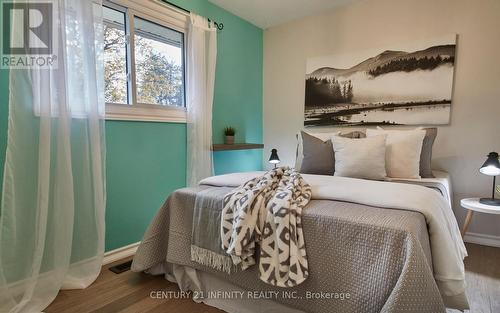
120, 253
482, 239
158, 10
130, 56
149, 113
17, 287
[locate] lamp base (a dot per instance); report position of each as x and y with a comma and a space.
490, 201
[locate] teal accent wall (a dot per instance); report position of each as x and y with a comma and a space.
146, 161
238, 86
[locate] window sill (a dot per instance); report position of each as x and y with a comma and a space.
145, 113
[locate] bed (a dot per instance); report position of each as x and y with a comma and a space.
365, 255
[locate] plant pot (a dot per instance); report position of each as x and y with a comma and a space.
229, 140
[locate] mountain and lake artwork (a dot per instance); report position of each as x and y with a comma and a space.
393, 87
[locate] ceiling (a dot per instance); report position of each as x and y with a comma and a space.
268, 13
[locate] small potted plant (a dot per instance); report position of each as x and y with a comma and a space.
229, 135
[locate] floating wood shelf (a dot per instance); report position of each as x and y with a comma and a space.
236, 146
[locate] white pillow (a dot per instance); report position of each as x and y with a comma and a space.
300, 147
403, 151
360, 158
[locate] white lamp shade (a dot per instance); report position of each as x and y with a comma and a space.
492, 165
490, 170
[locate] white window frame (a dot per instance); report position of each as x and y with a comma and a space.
164, 15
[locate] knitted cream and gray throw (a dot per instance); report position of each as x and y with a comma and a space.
267, 211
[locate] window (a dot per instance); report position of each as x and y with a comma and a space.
144, 61
159, 63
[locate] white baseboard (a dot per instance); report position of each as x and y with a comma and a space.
120, 253
482, 239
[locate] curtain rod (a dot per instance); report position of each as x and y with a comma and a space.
219, 26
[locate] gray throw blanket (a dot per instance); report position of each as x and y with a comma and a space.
266, 211
206, 245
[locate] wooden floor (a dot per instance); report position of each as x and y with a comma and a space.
130, 292
127, 292
482, 275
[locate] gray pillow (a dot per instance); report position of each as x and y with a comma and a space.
426, 154
318, 156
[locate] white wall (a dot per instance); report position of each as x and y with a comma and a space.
462, 146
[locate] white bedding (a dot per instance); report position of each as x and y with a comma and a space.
441, 178
447, 247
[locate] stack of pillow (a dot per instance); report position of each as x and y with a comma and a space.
378, 154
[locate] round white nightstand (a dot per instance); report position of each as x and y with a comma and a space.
472, 204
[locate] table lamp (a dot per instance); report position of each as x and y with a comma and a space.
274, 159
491, 168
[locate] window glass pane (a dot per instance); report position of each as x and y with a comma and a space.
159, 63
115, 56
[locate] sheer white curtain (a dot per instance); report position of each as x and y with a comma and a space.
53, 200
201, 59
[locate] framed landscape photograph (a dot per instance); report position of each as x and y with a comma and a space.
404, 85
